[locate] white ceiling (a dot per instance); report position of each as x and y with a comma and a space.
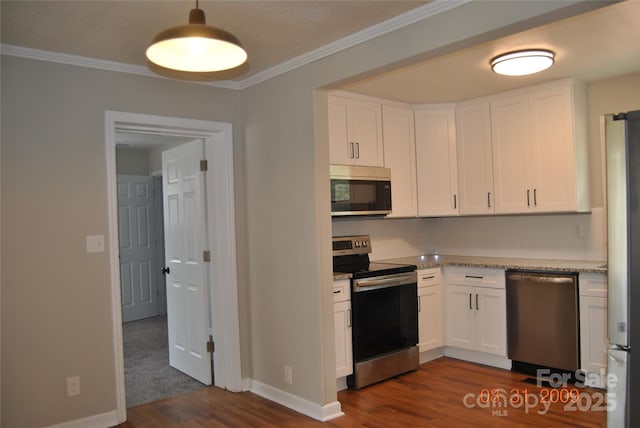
591, 46
271, 31
595, 45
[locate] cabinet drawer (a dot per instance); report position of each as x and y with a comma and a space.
592, 284
341, 290
476, 277
429, 277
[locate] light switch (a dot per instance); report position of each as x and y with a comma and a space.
95, 243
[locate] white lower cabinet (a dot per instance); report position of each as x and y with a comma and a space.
593, 326
342, 324
430, 310
476, 311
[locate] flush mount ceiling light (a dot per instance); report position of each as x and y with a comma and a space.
196, 47
521, 63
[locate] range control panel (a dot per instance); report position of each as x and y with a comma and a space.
345, 245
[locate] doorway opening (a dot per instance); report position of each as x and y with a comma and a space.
148, 373
222, 276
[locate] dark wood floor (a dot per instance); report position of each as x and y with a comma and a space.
442, 393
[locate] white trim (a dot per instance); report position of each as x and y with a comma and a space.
100, 64
219, 142
222, 241
299, 404
102, 420
478, 357
430, 9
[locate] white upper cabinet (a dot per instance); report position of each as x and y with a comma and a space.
540, 159
475, 163
355, 132
399, 156
511, 159
436, 161
559, 149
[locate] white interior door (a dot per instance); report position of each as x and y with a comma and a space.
185, 242
138, 266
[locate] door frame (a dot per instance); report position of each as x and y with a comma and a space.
223, 296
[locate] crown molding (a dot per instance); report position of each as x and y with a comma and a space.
100, 64
430, 9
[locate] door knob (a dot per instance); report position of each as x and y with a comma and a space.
165, 270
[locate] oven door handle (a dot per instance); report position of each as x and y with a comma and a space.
384, 281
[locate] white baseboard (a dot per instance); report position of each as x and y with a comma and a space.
299, 404
430, 355
341, 383
478, 357
246, 384
102, 420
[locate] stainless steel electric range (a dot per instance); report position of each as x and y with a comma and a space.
384, 308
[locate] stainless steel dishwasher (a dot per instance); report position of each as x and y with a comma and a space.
543, 321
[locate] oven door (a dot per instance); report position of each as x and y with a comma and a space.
385, 315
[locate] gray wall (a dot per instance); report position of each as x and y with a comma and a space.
132, 161
56, 316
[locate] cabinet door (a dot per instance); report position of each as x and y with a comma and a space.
491, 320
364, 123
344, 353
430, 332
552, 150
460, 318
475, 163
340, 151
355, 132
510, 132
436, 163
593, 334
399, 156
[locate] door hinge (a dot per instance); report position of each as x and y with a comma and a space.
206, 256
210, 345
204, 165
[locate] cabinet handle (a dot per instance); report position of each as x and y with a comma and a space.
357, 150
489, 199
337, 291
428, 277
477, 306
348, 317
474, 277
353, 151
528, 203
455, 201
535, 197
470, 304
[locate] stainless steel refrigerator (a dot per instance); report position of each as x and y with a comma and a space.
622, 142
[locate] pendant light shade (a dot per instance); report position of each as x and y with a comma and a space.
521, 63
196, 47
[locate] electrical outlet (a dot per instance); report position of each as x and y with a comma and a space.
73, 386
288, 375
579, 231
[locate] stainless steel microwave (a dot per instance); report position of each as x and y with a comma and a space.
360, 190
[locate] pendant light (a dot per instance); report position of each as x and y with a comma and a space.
521, 63
196, 47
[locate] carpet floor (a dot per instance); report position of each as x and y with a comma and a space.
148, 376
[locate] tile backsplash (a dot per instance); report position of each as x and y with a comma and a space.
559, 236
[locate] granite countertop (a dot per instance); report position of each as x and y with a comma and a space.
545, 265
550, 265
